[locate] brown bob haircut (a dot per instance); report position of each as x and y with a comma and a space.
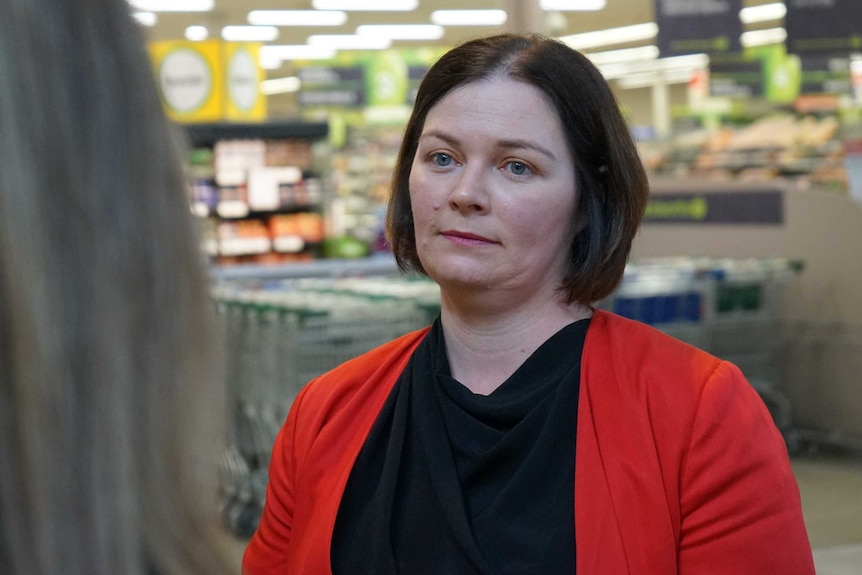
610, 181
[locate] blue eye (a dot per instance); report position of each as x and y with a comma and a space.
441, 159
519, 168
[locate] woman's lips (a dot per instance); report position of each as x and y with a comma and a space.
465, 238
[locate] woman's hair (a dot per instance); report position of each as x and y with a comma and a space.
611, 184
110, 395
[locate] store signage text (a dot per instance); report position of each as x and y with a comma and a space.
693, 26
751, 207
826, 26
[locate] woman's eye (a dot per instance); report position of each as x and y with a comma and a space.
519, 168
441, 159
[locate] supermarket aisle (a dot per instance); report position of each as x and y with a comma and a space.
831, 488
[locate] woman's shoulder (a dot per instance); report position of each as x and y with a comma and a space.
646, 362
642, 343
371, 374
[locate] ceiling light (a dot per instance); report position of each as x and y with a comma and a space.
173, 5
403, 31
763, 13
271, 53
197, 33
146, 18
649, 79
624, 55
297, 17
573, 5
626, 68
611, 36
469, 17
280, 85
763, 37
269, 64
366, 5
249, 33
350, 42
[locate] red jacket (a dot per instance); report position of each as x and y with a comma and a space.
679, 467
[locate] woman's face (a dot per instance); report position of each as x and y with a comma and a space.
493, 190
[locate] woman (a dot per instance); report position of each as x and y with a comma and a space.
526, 432
110, 397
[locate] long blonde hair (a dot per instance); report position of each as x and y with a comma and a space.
111, 403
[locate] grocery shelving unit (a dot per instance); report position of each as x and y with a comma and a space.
258, 189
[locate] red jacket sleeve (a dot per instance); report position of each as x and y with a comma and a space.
740, 504
266, 553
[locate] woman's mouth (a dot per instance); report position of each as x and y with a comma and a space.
465, 238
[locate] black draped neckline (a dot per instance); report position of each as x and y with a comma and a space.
453, 482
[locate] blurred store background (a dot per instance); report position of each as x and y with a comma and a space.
748, 115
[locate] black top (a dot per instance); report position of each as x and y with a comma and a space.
453, 482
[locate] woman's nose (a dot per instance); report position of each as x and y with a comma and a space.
469, 194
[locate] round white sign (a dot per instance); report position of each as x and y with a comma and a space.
186, 80
242, 80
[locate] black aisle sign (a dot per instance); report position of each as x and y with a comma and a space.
823, 26
330, 86
696, 26
825, 74
765, 207
414, 78
736, 78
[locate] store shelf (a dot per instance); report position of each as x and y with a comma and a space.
206, 135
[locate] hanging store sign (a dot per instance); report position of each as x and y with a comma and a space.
824, 74
243, 76
188, 75
698, 26
208, 81
764, 207
736, 78
343, 87
823, 26
414, 78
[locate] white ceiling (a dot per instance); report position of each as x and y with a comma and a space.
171, 26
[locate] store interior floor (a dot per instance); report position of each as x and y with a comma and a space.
831, 488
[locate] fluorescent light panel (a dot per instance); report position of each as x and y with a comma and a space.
612, 36
146, 18
402, 31
249, 33
648, 79
624, 55
349, 42
196, 33
367, 5
280, 52
280, 85
469, 17
173, 5
763, 13
573, 5
297, 17
763, 37
676, 63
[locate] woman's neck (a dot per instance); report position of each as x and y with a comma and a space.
486, 346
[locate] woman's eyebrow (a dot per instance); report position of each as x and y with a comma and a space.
448, 138
502, 144
528, 144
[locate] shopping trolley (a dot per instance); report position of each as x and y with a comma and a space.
729, 307
279, 336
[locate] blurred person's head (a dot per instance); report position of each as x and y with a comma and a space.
610, 183
110, 403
